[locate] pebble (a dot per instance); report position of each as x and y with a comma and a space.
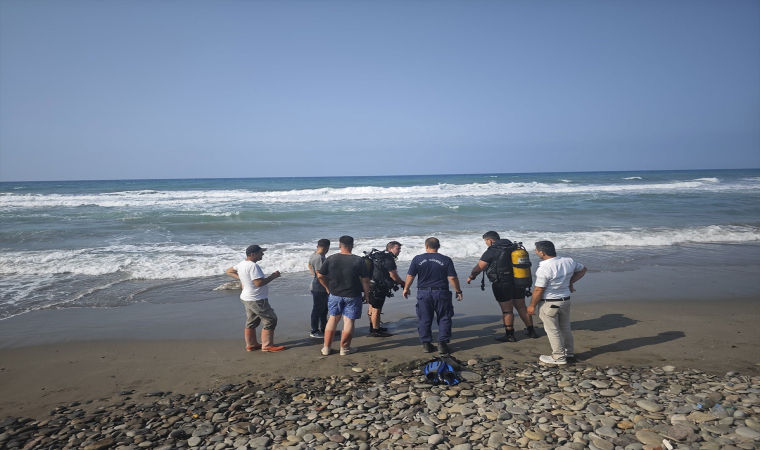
435, 439
747, 432
649, 438
497, 406
603, 444
649, 406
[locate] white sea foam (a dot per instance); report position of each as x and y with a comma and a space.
238, 197
632, 178
175, 261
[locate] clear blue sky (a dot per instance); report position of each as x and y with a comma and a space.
195, 89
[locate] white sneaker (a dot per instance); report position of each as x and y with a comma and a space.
547, 359
317, 335
326, 351
348, 351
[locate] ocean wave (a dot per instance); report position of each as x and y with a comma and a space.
239, 197
632, 178
179, 261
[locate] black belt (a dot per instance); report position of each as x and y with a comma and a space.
435, 289
563, 299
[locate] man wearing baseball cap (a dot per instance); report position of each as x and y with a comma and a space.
255, 298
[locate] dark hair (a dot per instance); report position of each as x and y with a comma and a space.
433, 243
491, 235
546, 247
324, 243
346, 241
392, 244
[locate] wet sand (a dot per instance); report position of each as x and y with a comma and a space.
131, 350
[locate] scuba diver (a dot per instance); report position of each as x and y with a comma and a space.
507, 266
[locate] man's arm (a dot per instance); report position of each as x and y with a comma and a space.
481, 266
264, 281
311, 269
576, 276
538, 295
455, 284
324, 280
232, 272
407, 285
365, 285
396, 279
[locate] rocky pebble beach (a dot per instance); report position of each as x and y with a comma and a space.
499, 405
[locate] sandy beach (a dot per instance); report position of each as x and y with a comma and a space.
34, 379
159, 375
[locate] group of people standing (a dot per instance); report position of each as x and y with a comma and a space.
343, 282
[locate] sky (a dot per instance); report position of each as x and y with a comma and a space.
237, 89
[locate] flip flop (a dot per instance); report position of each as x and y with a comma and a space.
448, 376
273, 348
431, 371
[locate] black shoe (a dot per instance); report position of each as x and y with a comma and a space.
571, 359
383, 329
532, 333
378, 333
427, 347
506, 338
443, 348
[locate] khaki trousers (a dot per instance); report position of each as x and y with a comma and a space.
556, 319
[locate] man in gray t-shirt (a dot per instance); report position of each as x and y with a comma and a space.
318, 292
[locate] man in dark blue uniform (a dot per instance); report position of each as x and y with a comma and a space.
433, 294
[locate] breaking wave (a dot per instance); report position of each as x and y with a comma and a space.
198, 198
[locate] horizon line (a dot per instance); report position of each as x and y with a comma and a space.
372, 176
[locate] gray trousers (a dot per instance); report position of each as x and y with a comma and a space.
556, 319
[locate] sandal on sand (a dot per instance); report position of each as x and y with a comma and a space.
273, 348
253, 347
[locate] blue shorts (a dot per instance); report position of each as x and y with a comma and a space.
351, 307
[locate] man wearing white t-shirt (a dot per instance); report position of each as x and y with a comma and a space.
255, 298
551, 295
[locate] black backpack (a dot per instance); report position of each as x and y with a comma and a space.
500, 269
380, 282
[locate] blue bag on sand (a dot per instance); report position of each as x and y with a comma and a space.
448, 376
431, 371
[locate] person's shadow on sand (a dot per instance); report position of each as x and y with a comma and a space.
603, 323
630, 344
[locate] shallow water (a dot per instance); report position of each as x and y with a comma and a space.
113, 243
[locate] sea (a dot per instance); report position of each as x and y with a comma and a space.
114, 243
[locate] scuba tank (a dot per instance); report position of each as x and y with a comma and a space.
521, 267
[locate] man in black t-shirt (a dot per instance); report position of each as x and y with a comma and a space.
508, 296
435, 272
346, 278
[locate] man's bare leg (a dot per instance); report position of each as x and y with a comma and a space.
250, 340
375, 318
527, 319
507, 314
508, 317
332, 324
347, 334
522, 310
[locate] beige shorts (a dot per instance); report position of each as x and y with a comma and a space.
258, 311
